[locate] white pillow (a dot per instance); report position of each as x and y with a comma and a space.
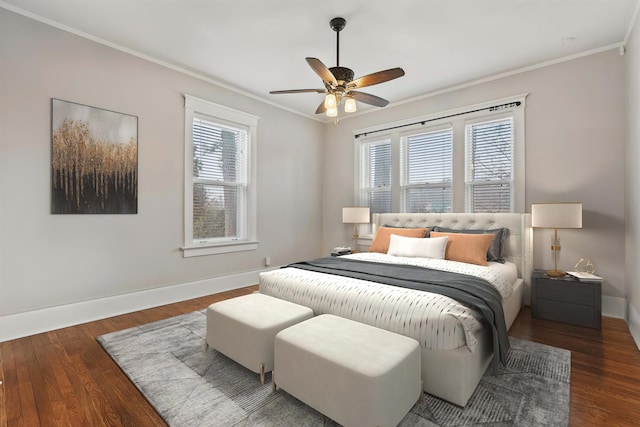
418, 247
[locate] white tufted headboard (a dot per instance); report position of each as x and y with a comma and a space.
518, 245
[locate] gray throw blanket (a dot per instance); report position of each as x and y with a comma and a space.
470, 290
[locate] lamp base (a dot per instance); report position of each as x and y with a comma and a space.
555, 273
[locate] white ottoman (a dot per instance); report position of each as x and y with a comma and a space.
355, 374
244, 328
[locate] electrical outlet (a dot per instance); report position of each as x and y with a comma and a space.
267, 261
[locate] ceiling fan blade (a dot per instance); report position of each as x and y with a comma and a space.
369, 99
275, 92
322, 71
321, 108
376, 78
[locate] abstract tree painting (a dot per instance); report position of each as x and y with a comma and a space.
94, 160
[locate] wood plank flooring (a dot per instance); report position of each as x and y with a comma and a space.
64, 378
605, 368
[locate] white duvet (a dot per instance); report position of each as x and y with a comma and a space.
437, 322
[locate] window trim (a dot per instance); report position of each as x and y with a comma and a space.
196, 106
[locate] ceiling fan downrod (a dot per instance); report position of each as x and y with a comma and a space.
337, 25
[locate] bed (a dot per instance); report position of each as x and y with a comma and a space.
453, 362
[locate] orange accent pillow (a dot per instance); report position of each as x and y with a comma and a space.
469, 248
383, 236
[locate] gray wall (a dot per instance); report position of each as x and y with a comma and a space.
632, 201
575, 150
575, 135
52, 260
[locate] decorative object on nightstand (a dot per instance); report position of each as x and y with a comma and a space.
556, 215
356, 215
584, 277
566, 299
585, 271
585, 266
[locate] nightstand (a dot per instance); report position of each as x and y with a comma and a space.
566, 299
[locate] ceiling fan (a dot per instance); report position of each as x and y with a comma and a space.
339, 84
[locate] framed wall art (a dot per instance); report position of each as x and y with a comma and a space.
94, 160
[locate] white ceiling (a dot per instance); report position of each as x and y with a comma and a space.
260, 45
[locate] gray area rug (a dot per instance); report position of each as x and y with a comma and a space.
191, 386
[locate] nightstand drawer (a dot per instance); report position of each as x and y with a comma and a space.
574, 314
574, 293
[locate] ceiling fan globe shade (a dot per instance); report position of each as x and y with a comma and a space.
330, 101
332, 112
350, 105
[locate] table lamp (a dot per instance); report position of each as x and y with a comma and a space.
355, 215
556, 215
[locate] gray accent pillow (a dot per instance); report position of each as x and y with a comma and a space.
496, 247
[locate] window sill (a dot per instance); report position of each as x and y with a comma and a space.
218, 248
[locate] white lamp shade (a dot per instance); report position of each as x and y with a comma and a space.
556, 215
355, 215
350, 105
332, 112
330, 101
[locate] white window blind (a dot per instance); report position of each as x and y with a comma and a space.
375, 178
220, 181
489, 166
426, 171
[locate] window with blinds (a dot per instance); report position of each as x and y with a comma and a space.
426, 171
470, 159
489, 166
220, 180
375, 176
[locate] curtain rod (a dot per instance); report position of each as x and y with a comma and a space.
422, 122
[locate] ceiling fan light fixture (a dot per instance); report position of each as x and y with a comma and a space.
330, 101
350, 105
339, 84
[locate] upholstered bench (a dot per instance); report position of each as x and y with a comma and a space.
353, 373
244, 328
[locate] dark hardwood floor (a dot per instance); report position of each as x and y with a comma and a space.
605, 368
64, 378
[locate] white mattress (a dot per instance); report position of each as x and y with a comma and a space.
508, 269
437, 322
501, 276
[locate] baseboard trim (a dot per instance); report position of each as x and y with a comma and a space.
34, 322
634, 325
614, 307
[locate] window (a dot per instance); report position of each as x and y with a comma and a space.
426, 170
489, 165
376, 176
465, 160
219, 179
